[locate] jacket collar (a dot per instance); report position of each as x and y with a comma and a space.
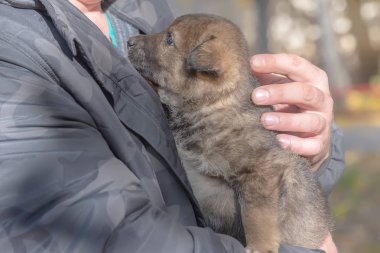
24, 4
150, 16
145, 14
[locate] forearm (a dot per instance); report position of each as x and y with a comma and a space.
293, 249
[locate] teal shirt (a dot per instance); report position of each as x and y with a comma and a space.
111, 32
119, 32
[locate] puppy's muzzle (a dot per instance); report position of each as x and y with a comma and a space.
131, 43
135, 50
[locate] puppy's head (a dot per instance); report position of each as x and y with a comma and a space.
198, 58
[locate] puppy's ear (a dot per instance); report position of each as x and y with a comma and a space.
206, 58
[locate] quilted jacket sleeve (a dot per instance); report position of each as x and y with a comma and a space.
330, 172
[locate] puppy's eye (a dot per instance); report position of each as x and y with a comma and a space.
170, 40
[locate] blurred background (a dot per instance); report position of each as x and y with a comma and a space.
343, 38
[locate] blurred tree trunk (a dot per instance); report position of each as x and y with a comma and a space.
262, 25
330, 59
368, 57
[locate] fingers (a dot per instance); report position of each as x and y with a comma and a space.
299, 93
307, 147
265, 79
292, 66
310, 123
304, 96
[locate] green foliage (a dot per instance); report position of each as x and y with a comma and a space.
375, 80
355, 205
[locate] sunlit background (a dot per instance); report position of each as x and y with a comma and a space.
343, 38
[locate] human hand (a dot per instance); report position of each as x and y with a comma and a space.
303, 106
328, 245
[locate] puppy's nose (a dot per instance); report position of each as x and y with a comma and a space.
131, 42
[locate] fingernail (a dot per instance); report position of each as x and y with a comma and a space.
257, 61
260, 95
284, 142
270, 120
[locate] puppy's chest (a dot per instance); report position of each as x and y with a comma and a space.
209, 145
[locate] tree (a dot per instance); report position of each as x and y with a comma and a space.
329, 55
368, 57
262, 25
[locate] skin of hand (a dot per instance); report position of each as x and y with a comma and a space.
299, 93
328, 245
303, 107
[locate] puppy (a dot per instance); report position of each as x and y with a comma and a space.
246, 184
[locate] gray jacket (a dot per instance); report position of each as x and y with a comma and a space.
87, 161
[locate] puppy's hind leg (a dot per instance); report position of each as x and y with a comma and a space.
260, 218
261, 229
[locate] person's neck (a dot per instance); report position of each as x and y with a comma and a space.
85, 8
93, 10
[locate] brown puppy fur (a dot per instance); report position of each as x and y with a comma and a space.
245, 182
